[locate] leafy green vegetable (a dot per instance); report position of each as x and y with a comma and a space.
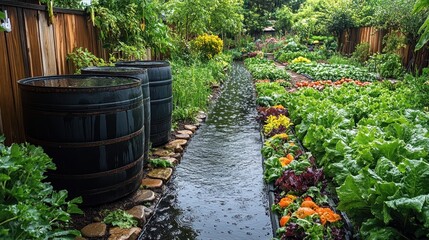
29, 207
120, 218
159, 162
322, 71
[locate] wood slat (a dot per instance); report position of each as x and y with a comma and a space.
82, 28
7, 107
60, 44
47, 43
32, 39
17, 72
70, 34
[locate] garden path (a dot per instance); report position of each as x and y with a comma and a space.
217, 192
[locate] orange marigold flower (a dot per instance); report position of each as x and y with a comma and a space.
309, 204
327, 215
304, 212
285, 202
284, 220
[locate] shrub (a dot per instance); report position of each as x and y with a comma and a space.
207, 45
301, 60
338, 59
362, 52
420, 88
387, 65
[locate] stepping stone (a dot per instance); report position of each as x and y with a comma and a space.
177, 156
117, 233
174, 143
183, 136
148, 212
173, 161
202, 115
152, 183
144, 196
178, 149
190, 127
199, 121
138, 213
161, 173
188, 132
163, 153
94, 230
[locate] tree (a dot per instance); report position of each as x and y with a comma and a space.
130, 26
190, 18
284, 19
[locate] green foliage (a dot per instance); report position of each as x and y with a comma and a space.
375, 147
321, 71
129, 27
420, 88
338, 59
192, 84
195, 17
421, 6
362, 52
398, 15
2, 16
340, 19
120, 218
387, 65
159, 162
393, 42
265, 69
29, 207
73, 4
81, 58
284, 19
207, 46
289, 56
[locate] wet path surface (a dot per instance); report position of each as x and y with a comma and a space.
217, 191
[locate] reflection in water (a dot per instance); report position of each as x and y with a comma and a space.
217, 191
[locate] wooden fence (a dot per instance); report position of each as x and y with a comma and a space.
374, 37
36, 48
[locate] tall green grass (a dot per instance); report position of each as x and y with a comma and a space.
192, 84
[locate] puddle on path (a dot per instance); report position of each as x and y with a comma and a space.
217, 192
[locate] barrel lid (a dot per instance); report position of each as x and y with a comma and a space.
125, 70
79, 82
143, 64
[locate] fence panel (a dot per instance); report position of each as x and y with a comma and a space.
36, 48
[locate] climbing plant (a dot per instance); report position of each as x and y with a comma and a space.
2, 16
130, 26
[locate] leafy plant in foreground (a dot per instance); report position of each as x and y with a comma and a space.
159, 162
120, 218
29, 207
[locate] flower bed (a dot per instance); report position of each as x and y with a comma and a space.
300, 192
374, 150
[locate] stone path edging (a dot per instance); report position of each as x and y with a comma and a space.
146, 199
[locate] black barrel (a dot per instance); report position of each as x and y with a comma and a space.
92, 127
161, 98
139, 73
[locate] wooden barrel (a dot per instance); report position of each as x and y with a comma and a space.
139, 73
92, 127
161, 98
